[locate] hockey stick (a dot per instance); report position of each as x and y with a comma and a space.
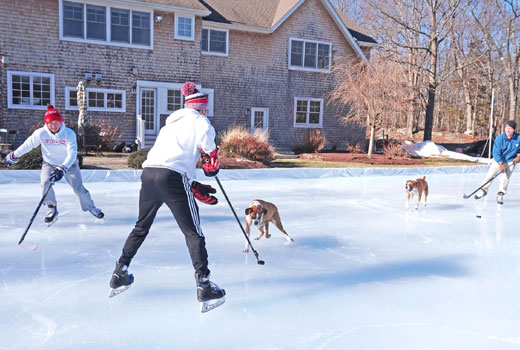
466, 196
34, 215
259, 262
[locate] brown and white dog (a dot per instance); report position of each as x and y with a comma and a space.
419, 187
260, 213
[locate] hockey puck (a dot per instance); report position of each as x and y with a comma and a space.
478, 216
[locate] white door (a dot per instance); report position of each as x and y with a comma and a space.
149, 111
259, 119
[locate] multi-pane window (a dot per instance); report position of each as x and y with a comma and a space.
97, 100
174, 100
214, 41
309, 55
96, 22
120, 25
308, 112
30, 90
73, 19
140, 28
106, 24
258, 122
184, 27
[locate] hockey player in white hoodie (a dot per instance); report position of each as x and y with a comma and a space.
59, 152
167, 178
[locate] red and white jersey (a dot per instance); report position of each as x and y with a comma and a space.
178, 145
57, 149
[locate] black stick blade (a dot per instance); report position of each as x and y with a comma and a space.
261, 262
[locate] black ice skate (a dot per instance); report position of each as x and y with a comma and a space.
209, 294
121, 280
52, 214
500, 198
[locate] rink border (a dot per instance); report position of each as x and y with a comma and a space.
123, 175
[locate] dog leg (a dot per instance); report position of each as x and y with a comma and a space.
418, 201
425, 195
278, 224
408, 201
267, 235
246, 248
261, 229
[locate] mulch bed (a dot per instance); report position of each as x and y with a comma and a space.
376, 159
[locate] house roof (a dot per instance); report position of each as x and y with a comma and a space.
189, 6
268, 15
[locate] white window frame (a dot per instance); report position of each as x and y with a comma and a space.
105, 92
182, 99
307, 124
303, 68
182, 37
10, 104
108, 8
265, 119
210, 93
212, 53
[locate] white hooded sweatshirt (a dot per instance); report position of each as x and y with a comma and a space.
178, 145
57, 149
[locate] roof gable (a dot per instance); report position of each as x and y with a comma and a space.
267, 15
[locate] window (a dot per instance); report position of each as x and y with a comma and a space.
215, 41
105, 24
309, 55
140, 28
184, 27
174, 100
96, 22
72, 19
97, 100
29, 90
308, 112
120, 25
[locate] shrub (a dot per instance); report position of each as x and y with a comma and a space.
136, 159
313, 141
354, 148
394, 149
237, 141
31, 160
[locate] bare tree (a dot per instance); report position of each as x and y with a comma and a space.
500, 23
375, 94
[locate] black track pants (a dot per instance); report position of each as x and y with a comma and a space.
160, 186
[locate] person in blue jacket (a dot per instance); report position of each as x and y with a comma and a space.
506, 154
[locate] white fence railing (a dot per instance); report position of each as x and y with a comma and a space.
139, 132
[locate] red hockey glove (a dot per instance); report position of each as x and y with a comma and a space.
210, 163
203, 193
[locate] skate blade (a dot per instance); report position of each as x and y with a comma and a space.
29, 245
205, 306
117, 291
50, 223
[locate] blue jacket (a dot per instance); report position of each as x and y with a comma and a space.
505, 150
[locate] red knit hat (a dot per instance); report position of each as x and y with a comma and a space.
52, 114
193, 98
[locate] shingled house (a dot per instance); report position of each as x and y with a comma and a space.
265, 64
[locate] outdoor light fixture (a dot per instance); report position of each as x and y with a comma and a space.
158, 19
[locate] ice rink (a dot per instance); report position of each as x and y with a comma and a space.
362, 273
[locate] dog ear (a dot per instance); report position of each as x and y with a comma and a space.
264, 210
248, 210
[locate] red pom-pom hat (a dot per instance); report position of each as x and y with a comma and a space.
52, 114
193, 98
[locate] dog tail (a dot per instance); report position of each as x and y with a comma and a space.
424, 177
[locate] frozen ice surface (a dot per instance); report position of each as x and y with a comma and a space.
362, 273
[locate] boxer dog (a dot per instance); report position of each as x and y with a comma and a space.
260, 213
419, 187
